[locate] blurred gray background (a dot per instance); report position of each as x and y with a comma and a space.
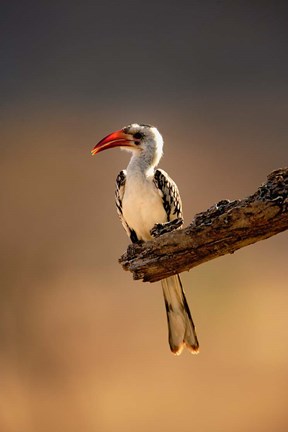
83, 346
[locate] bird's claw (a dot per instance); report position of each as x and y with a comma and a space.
160, 229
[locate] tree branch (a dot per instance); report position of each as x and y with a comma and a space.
222, 229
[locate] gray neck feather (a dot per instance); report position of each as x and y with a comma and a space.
144, 161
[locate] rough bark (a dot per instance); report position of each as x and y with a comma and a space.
224, 228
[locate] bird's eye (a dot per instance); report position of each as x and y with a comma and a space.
138, 135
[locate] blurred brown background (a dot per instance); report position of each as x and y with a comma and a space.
83, 346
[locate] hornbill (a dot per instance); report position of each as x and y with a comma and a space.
148, 199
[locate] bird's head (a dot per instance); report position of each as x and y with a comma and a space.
140, 139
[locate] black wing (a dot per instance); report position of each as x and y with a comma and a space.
170, 195
119, 193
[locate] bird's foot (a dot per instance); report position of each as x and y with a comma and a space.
160, 229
